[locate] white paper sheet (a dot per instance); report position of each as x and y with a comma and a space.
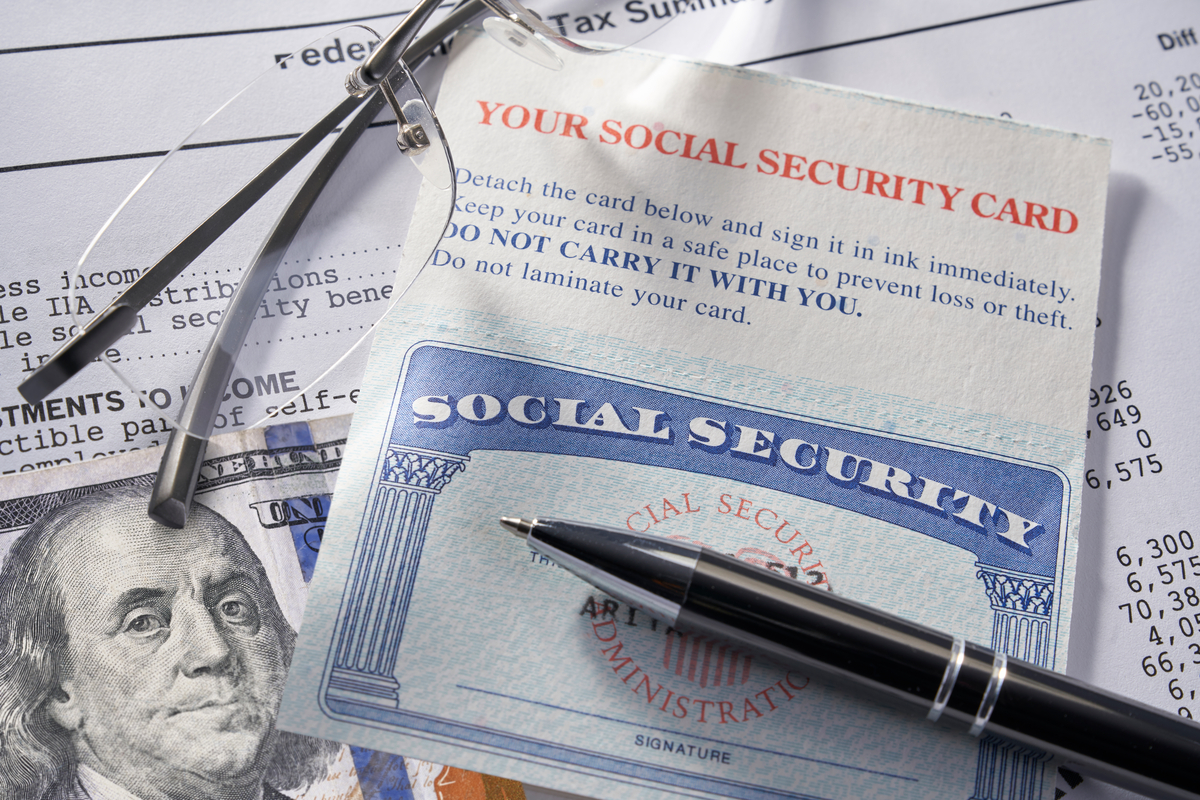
636, 323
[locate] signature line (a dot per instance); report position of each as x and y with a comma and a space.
688, 735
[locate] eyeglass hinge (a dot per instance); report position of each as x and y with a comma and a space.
356, 83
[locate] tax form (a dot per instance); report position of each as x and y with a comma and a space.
834, 334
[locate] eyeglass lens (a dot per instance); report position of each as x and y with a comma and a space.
337, 277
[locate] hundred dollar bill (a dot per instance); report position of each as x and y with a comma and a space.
142, 662
837, 335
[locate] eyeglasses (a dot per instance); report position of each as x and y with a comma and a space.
325, 211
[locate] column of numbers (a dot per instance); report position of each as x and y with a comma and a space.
1163, 601
1169, 115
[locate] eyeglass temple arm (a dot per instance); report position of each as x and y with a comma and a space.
179, 469
175, 483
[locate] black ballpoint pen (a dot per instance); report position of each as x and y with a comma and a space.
1109, 737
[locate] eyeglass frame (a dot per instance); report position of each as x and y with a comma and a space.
183, 454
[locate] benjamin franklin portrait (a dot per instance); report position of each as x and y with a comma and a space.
138, 661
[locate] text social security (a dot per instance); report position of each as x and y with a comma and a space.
846, 470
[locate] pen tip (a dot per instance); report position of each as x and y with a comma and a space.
518, 526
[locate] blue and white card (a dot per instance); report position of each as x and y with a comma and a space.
840, 336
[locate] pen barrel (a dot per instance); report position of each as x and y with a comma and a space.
1114, 739
794, 623
1129, 744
